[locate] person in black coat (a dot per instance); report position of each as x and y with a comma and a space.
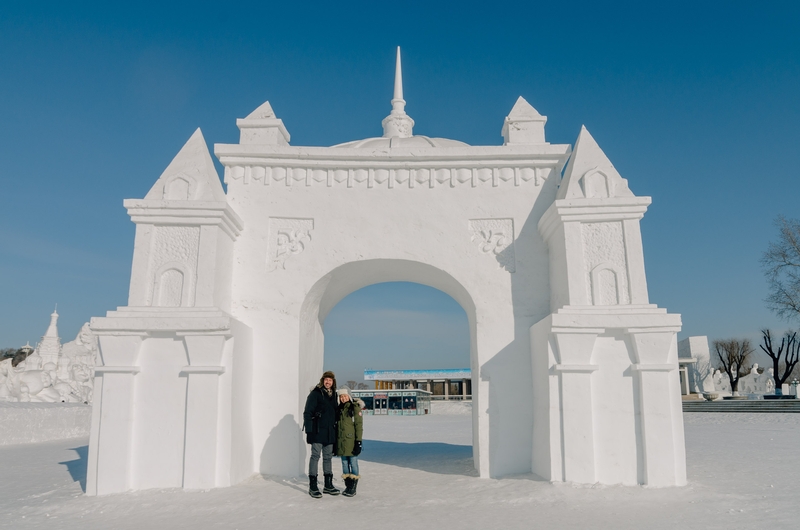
319, 422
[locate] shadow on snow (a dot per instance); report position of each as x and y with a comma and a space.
77, 468
433, 457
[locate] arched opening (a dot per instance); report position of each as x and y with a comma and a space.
350, 278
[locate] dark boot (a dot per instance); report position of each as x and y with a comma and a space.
355, 484
329, 489
313, 489
348, 482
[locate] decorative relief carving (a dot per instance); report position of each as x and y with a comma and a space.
287, 237
495, 237
606, 266
173, 247
389, 178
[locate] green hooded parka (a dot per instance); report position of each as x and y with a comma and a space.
349, 428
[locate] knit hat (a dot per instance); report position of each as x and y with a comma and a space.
343, 390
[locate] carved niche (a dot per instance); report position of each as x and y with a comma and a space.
495, 237
606, 266
179, 187
173, 265
287, 237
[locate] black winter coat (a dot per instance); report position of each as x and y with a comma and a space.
319, 417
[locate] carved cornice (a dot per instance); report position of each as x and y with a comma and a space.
185, 213
479, 166
392, 177
591, 211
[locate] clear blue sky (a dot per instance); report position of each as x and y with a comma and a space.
696, 103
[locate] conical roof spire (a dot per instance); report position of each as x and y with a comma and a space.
50, 346
590, 174
398, 124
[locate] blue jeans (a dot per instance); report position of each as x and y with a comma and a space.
350, 465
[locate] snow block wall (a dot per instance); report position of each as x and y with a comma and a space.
205, 372
25, 423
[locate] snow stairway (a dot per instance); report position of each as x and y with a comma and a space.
756, 405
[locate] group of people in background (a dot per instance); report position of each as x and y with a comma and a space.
333, 423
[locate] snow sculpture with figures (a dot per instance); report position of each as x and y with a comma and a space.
204, 373
51, 372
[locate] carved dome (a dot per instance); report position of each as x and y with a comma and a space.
395, 141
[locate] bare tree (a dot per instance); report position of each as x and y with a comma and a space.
781, 366
363, 386
733, 355
352, 385
781, 264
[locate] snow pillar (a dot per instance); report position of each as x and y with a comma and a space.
575, 370
202, 409
108, 468
606, 419
662, 446
176, 423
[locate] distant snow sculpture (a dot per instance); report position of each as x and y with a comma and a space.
43, 376
757, 383
721, 382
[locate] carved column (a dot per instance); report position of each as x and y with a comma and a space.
577, 418
654, 378
108, 467
202, 409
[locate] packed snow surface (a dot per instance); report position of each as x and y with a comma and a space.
417, 471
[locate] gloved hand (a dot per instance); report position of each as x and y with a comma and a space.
357, 448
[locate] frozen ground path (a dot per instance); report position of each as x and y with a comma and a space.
417, 471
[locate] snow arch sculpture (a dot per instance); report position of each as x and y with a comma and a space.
207, 393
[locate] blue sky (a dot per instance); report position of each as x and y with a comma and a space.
696, 104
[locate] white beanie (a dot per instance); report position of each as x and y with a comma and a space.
343, 390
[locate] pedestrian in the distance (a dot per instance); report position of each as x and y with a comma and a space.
348, 438
319, 422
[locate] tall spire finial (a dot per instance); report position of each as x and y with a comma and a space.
398, 103
398, 124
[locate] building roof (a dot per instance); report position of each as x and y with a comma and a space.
411, 375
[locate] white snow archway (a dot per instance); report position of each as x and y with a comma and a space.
348, 278
575, 373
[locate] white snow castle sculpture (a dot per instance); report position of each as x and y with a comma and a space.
204, 373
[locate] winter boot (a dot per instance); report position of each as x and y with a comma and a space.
313, 490
329, 489
348, 482
355, 484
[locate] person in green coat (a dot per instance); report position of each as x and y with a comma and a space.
349, 432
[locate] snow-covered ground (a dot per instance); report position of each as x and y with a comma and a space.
417, 473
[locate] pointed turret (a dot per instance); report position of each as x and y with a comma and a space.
523, 125
262, 127
49, 347
191, 176
264, 112
398, 124
590, 174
